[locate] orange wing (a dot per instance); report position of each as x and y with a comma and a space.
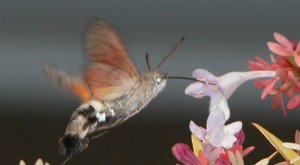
68, 81
112, 72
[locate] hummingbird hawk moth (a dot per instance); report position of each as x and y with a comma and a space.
111, 88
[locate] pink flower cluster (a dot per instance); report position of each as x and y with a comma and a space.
210, 154
220, 143
287, 67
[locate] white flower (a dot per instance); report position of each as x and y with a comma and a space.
219, 89
217, 133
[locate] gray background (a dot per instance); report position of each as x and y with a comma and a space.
221, 36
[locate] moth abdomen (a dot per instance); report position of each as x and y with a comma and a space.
84, 121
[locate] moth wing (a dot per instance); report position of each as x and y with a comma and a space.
111, 72
106, 82
103, 45
66, 80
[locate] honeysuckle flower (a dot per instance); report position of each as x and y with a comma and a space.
217, 133
219, 89
285, 47
231, 136
38, 162
185, 155
218, 141
285, 83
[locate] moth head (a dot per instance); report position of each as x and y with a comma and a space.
160, 79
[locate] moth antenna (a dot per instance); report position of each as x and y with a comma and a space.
148, 61
170, 53
191, 79
65, 161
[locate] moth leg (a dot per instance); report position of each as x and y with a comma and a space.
110, 109
66, 160
100, 134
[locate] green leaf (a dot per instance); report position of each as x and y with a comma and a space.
286, 153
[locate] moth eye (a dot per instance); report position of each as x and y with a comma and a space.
159, 80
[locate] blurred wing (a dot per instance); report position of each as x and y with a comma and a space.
103, 45
68, 81
112, 72
106, 82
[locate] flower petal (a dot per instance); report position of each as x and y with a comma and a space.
199, 132
22, 162
283, 41
216, 136
298, 47
255, 65
293, 146
228, 141
247, 150
195, 89
293, 78
184, 154
202, 74
278, 49
276, 102
262, 61
39, 162
269, 87
294, 102
240, 138
264, 161
297, 59
273, 59
262, 83
233, 128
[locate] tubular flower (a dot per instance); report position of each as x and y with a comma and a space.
219, 89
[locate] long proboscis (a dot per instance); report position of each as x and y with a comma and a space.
191, 79
170, 53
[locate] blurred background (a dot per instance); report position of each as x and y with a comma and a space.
221, 36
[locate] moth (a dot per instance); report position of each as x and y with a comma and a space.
110, 86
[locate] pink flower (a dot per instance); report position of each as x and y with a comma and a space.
224, 157
285, 83
285, 47
218, 139
185, 155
